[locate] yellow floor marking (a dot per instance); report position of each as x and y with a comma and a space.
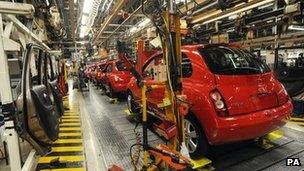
69, 129
61, 159
70, 111
275, 135
70, 120
68, 141
69, 134
69, 124
297, 119
67, 149
70, 117
299, 123
65, 169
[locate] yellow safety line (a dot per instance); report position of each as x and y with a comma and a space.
299, 123
68, 141
69, 124
67, 149
297, 119
65, 169
69, 134
61, 158
69, 129
70, 120
70, 112
70, 117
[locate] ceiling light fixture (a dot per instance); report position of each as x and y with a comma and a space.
296, 27
87, 6
84, 19
245, 8
133, 29
144, 22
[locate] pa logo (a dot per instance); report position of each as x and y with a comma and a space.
293, 162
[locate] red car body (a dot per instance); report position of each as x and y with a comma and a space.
98, 72
89, 71
229, 105
115, 77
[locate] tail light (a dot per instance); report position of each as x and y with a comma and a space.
283, 96
219, 104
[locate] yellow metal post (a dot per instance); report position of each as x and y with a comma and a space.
144, 120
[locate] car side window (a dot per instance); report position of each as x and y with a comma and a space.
186, 66
109, 68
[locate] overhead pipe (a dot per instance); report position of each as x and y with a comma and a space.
127, 19
72, 17
16, 8
114, 13
184, 9
219, 14
264, 16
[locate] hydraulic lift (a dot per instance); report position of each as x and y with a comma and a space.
174, 154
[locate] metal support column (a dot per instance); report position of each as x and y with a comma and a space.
10, 134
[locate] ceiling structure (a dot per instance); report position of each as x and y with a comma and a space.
98, 23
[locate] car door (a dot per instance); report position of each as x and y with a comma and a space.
37, 117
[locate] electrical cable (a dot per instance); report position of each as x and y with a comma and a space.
135, 156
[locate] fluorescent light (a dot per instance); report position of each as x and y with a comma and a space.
82, 31
87, 6
75, 1
144, 22
133, 29
245, 8
296, 27
84, 19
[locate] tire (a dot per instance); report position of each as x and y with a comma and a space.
132, 106
196, 141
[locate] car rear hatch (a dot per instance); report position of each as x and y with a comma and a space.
247, 93
245, 82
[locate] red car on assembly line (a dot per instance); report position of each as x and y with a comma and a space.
98, 73
89, 70
115, 78
234, 96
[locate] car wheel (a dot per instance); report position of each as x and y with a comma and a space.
132, 106
196, 141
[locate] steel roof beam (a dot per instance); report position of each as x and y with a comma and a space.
108, 21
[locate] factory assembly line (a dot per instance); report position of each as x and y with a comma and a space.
152, 85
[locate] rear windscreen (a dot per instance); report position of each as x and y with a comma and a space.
232, 61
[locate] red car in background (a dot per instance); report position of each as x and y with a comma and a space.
89, 70
233, 95
98, 72
115, 77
